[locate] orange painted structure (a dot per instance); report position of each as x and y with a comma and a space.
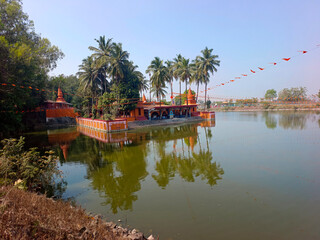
154, 110
208, 115
102, 125
58, 108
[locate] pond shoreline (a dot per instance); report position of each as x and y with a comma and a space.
29, 215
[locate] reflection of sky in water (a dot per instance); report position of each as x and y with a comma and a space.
253, 174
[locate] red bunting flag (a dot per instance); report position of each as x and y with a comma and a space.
244, 75
13, 85
303, 52
231, 80
252, 71
208, 88
273, 63
237, 77
286, 59
261, 68
222, 83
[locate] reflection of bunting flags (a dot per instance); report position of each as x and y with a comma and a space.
286, 59
261, 68
252, 71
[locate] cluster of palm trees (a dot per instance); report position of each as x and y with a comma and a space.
197, 71
109, 68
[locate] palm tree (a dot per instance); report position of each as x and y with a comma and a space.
207, 62
101, 58
170, 74
87, 76
159, 76
197, 76
143, 85
177, 61
184, 71
118, 64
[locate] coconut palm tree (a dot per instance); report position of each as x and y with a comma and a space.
176, 62
159, 76
118, 62
87, 76
184, 71
170, 68
118, 65
101, 58
197, 76
143, 85
207, 62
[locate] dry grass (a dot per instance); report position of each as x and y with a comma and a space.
25, 215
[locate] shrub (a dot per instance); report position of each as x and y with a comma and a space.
28, 169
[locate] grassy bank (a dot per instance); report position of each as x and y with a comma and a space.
25, 215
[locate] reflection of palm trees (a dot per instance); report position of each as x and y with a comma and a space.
120, 178
115, 173
166, 170
188, 167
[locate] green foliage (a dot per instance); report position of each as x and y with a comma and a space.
27, 169
107, 104
293, 94
69, 86
270, 94
25, 59
183, 98
159, 77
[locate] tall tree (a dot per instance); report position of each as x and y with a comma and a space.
208, 63
270, 94
25, 60
101, 56
184, 71
197, 76
87, 77
159, 76
176, 66
170, 67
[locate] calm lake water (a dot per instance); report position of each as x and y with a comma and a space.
246, 176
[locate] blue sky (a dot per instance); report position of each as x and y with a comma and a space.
245, 35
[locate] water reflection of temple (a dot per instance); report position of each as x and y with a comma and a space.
116, 163
63, 139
